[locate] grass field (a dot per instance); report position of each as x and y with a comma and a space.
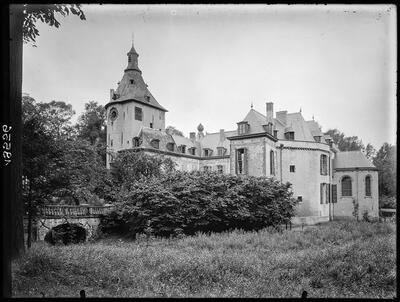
336, 259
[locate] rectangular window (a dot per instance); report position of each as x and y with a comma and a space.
183, 149
138, 114
324, 165
241, 164
122, 138
289, 136
272, 162
220, 169
292, 168
207, 152
151, 125
221, 151
243, 128
300, 198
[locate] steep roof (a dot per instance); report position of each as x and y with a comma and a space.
213, 141
299, 126
181, 140
132, 86
255, 119
352, 159
148, 134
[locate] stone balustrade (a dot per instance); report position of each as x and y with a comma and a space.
74, 211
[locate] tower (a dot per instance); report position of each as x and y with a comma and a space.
130, 108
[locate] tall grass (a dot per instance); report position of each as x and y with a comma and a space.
337, 259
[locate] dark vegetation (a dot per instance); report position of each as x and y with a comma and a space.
185, 203
65, 234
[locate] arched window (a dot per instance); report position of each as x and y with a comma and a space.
272, 162
324, 165
346, 186
368, 185
155, 143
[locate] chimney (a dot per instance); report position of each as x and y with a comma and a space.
221, 135
281, 115
192, 136
270, 112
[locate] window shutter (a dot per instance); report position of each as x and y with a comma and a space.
245, 162
236, 162
321, 188
334, 193
327, 193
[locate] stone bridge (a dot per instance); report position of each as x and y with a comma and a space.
85, 216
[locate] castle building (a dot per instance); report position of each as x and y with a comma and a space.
328, 183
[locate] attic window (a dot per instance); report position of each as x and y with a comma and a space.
155, 143
182, 148
317, 139
147, 98
207, 152
243, 128
132, 81
192, 151
289, 136
170, 147
221, 151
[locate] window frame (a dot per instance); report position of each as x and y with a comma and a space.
349, 190
294, 168
368, 191
323, 164
138, 113
153, 142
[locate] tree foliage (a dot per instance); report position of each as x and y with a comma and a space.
173, 131
189, 202
46, 14
385, 160
345, 143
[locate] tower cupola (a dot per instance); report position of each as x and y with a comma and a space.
133, 60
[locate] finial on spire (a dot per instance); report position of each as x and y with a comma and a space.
313, 117
133, 37
251, 105
300, 109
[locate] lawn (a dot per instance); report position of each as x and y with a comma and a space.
335, 259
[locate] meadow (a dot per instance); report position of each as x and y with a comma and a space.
335, 259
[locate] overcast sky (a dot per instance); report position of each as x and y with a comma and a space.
207, 63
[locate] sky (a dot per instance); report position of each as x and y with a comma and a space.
209, 63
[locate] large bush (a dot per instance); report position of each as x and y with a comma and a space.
189, 202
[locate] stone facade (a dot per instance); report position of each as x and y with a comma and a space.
281, 145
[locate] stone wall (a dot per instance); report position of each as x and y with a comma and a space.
44, 225
344, 206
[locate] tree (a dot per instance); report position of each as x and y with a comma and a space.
46, 14
345, 143
385, 161
92, 123
22, 29
91, 126
370, 152
173, 131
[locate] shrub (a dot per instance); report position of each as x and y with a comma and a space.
388, 202
190, 202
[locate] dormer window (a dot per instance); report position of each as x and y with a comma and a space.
243, 128
155, 143
289, 136
170, 147
147, 98
182, 148
317, 139
221, 151
192, 151
275, 133
268, 128
207, 152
